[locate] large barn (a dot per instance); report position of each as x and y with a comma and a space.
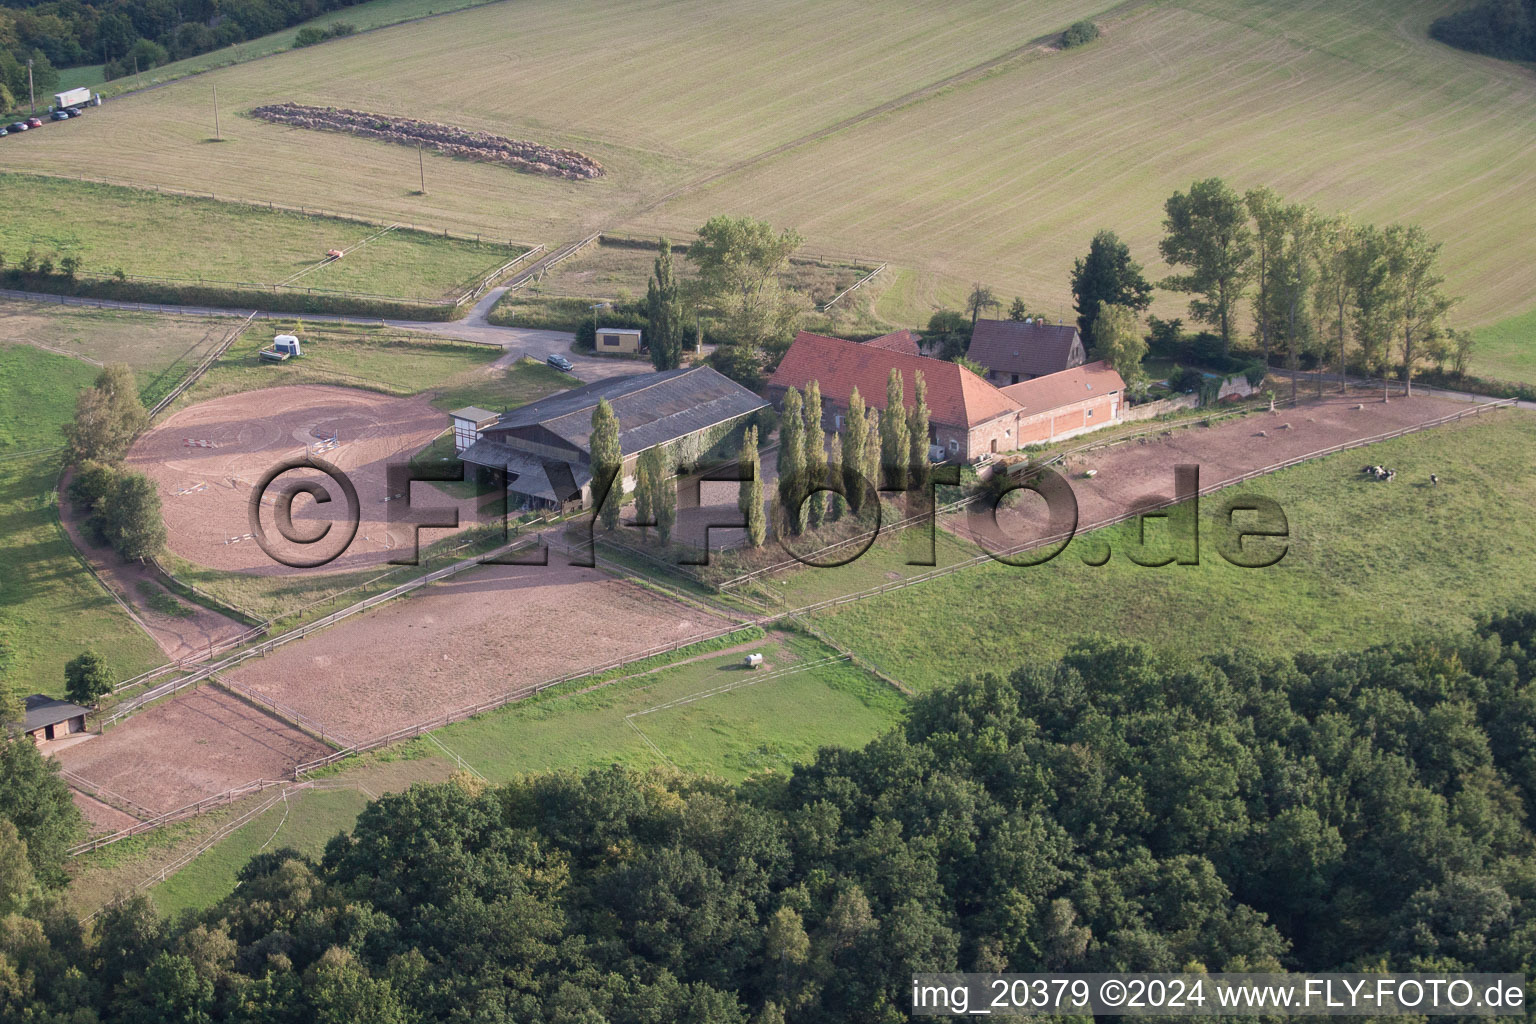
544, 447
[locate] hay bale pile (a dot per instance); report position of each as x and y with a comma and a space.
441, 138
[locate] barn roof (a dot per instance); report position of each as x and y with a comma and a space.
475, 414
43, 711
956, 396
652, 408
1014, 346
1055, 390
550, 479
897, 341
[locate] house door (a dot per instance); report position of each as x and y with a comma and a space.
994, 446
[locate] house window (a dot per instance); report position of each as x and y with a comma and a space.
1090, 414
954, 445
838, 420
1015, 379
611, 340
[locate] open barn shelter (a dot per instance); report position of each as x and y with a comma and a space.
545, 447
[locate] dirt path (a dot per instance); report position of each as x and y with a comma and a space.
179, 637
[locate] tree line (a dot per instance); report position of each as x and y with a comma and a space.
134, 35
1110, 811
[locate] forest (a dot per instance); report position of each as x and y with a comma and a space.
1106, 812
134, 35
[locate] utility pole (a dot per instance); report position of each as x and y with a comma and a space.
216, 135
31, 96
421, 165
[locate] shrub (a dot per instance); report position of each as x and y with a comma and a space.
1186, 380
1079, 33
308, 36
87, 678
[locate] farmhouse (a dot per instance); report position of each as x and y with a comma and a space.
1068, 403
544, 447
967, 416
1020, 350
49, 719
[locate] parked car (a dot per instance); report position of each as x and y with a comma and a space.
34, 122
18, 126
60, 115
559, 362
4, 132
75, 111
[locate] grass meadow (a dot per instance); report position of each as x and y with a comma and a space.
938, 137
44, 586
181, 238
1507, 349
1366, 563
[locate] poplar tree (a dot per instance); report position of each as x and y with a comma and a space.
917, 433
664, 313
871, 467
663, 494
750, 499
815, 457
791, 463
835, 501
607, 461
645, 489
854, 430
893, 432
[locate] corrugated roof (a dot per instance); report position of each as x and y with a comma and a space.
473, 412
1013, 346
652, 408
43, 711
527, 473
956, 396
1055, 390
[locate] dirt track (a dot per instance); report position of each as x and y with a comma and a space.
193, 746
1135, 471
205, 487
464, 641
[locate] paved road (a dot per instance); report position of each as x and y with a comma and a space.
474, 327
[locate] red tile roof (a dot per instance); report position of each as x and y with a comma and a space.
1055, 390
956, 396
897, 341
1013, 346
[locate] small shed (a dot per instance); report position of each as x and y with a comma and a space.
468, 422
617, 340
48, 718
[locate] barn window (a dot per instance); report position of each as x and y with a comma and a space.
1090, 414
611, 340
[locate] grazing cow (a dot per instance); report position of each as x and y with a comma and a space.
1434, 481
1391, 474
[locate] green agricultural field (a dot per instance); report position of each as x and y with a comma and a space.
504, 389
44, 583
938, 137
306, 821
187, 240
161, 349
1367, 563
690, 715
396, 361
1507, 349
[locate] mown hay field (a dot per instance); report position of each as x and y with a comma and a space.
147, 234
856, 129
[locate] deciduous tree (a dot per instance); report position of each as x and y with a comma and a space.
1119, 340
1206, 231
791, 464
894, 444
664, 312
108, 415
87, 678
750, 496
740, 262
130, 517
813, 439
979, 301
917, 434
1107, 274
607, 463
